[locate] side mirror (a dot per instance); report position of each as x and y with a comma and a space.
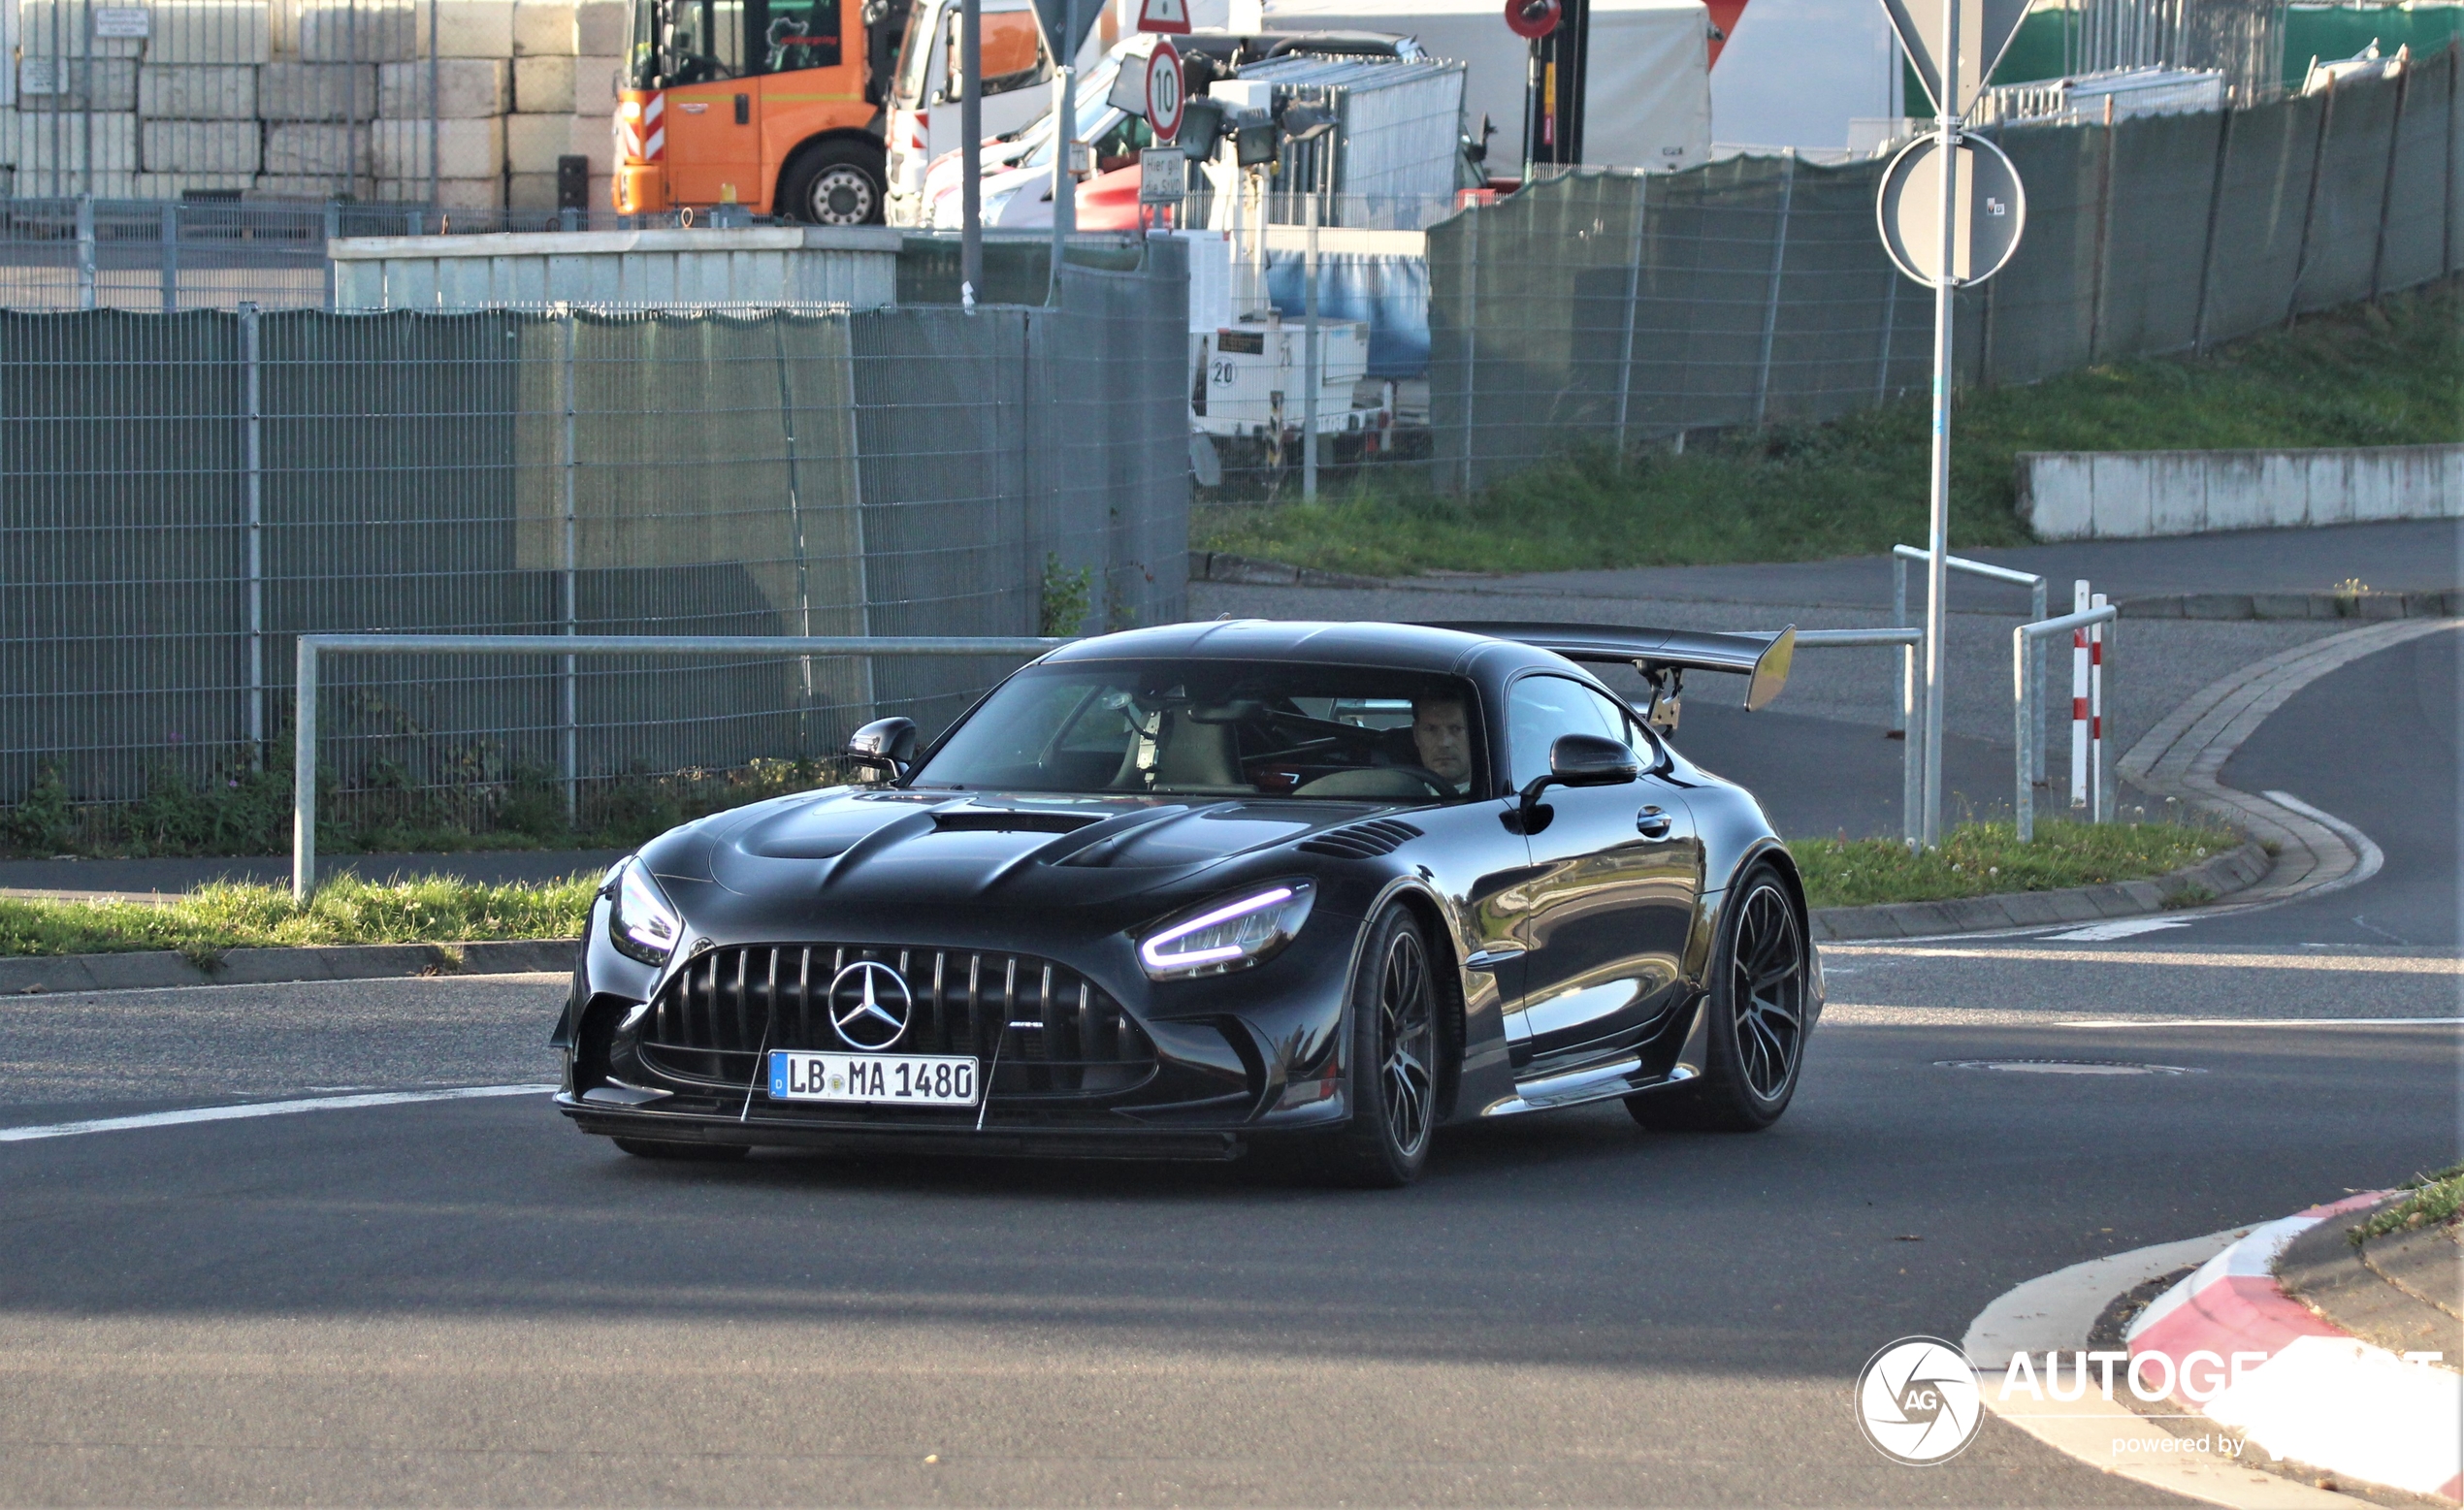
885, 745
1576, 760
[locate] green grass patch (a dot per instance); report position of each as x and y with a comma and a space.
2390, 373
1980, 859
205, 922
2435, 1202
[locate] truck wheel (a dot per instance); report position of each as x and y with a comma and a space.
835, 183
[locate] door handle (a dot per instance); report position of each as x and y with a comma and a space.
744, 110
1652, 824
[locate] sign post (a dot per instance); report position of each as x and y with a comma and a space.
1926, 227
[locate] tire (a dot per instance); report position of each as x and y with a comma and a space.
687, 1153
834, 183
1391, 1049
1756, 1037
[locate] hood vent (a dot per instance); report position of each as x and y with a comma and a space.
982, 821
1362, 841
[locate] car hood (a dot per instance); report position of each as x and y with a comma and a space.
902, 848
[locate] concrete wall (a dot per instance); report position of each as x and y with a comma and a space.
2130, 495
855, 267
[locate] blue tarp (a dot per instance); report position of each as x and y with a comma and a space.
1390, 293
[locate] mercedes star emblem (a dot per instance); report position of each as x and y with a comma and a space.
869, 1005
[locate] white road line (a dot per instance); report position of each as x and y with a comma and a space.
262, 1108
2371, 857
2265, 1022
2126, 928
2213, 959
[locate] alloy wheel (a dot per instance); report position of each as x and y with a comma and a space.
1767, 988
1406, 1036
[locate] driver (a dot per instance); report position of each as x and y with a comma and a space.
1442, 735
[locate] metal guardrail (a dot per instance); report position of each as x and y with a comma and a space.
1900, 556
313, 647
2027, 713
1902, 704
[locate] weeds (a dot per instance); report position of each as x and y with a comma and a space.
205, 923
1979, 859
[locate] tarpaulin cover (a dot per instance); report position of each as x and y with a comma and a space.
1390, 293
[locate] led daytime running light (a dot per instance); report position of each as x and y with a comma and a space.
1246, 929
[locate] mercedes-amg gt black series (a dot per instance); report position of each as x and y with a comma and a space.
1187, 891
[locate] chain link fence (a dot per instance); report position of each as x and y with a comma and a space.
181, 495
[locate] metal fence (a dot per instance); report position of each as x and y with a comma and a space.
181, 495
1622, 308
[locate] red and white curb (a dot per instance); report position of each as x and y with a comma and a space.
2228, 1342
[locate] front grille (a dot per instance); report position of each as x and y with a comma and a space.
1059, 1034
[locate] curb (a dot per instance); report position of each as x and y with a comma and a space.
1253, 571
2316, 1394
2217, 876
155, 969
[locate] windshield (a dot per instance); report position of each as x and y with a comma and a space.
1219, 728
1095, 112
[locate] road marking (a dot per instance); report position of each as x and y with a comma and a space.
2370, 856
2265, 1022
261, 1108
2104, 932
2361, 964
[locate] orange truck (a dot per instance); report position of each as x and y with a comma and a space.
774, 105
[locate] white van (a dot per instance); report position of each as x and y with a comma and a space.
924, 102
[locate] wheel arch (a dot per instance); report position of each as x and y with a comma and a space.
1711, 915
854, 136
1437, 927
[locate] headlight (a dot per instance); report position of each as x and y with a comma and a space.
1227, 936
641, 922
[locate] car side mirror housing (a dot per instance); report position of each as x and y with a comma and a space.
885, 745
1576, 760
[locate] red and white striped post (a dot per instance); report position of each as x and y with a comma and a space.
2079, 699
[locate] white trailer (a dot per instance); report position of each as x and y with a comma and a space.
1648, 91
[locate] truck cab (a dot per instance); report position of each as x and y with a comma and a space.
769, 104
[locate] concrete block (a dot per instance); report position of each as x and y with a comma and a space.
594, 137
2450, 482
602, 28
180, 185
337, 33
595, 84
8, 182
220, 147
197, 91
2056, 497
533, 143
297, 149
543, 85
464, 149
2280, 605
469, 28
294, 186
2176, 493
2328, 475
35, 35
466, 88
8, 138
113, 147
529, 193
2217, 605
210, 31
2118, 488
543, 28
2232, 479
316, 91
106, 84
2280, 493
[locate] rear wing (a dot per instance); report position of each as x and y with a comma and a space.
1661, 656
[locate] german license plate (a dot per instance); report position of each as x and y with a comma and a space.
896, 1080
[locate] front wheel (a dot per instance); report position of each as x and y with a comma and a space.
1756, 1037
835, 183
1392, 1047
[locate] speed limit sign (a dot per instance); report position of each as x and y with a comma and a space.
1164, 96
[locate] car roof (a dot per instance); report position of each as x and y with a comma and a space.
1404, 647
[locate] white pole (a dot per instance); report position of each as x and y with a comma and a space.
2101, 802
1310, 374
2079, 699
1938, 533
303, 774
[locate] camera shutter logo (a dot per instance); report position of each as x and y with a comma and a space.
869, 1003
1919, 1402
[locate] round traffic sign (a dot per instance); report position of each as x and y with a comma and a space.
1165, 94
1989, 211
1533, 20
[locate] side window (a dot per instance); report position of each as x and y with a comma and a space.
799, 34
1539, 709
707, 41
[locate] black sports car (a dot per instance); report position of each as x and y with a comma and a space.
1184, 891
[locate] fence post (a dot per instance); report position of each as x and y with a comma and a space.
2310, 203
2214, 210
1770, 300
2104, 235
1911, 759
2079, 746
170, 277
303, 774
2454, 82
2023, 729
2036, 606
333, 233
2386, 190
1899, 620
568, 701
1470, 335
1890, 322
85, 251
251, 355
1633, 289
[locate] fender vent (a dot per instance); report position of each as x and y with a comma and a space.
1362, 841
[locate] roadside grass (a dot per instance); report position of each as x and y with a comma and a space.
2438, 1201
2390, 373
1980, 859
203, 923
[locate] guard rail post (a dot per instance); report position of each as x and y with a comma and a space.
2027, 713
1901, 555
1902, 704
311, 647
